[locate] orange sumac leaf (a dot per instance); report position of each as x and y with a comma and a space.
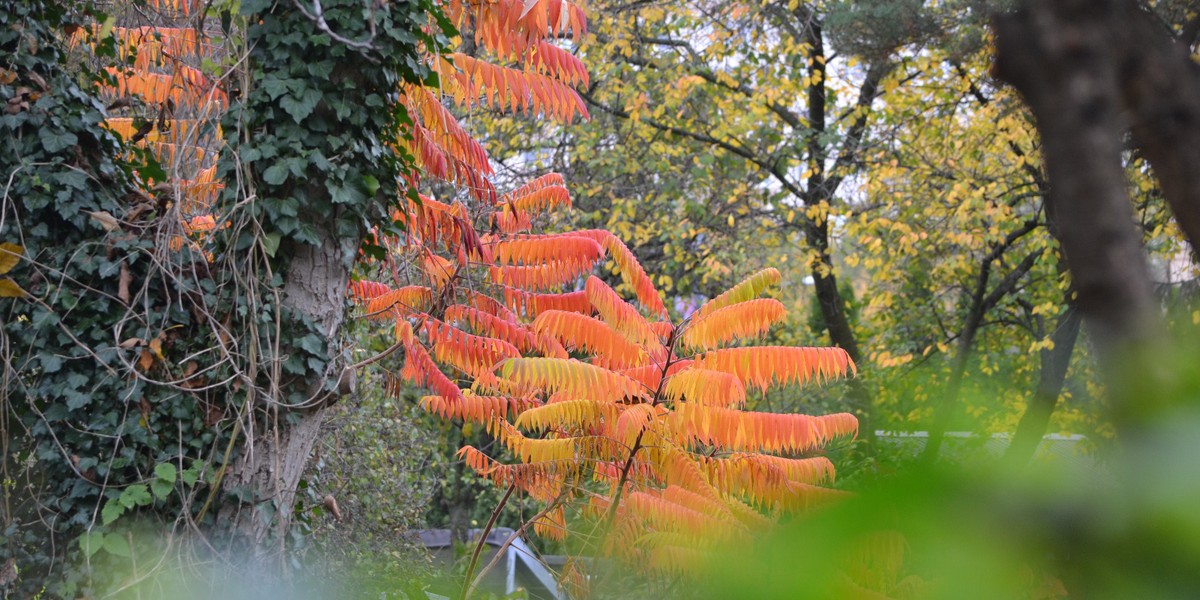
704, 386
420, 370
531, 304
568, 414
621, 315
764, 366
490, 325
743, 320
630, 270
737, 430
479, 409
581, 332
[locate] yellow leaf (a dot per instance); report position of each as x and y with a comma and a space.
156, 348
10, 289
10, 255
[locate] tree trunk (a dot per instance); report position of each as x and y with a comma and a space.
1160, 85
1060, 56
1053, 374
266, 475
1063, 56
267, 471
821, 189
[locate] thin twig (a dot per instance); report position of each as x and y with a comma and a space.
483, 535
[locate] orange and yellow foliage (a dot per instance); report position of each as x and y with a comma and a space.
599, 398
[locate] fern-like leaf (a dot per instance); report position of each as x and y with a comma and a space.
581, 332
707, 387
567, 414
737, 430
420, 370
742, 320
581, 380
471, 354
764, 366
384, 303
512, 90
749, 288
621, 315
531, 304
630, 270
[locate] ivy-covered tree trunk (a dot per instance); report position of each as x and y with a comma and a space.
311, 163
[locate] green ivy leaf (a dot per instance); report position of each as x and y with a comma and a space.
161, 488
300, 108
55, 141
270, 243
275, 87
371, 183
275, 174
190, 476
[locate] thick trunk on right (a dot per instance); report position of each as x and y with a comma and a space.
1060, 56
1065, 58
1160, 84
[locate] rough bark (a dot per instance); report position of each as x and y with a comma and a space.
821, 187
1160, 85
1065, 58
1059, 55
268, 470
272, 460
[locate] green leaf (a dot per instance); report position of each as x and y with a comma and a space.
136, 495
117, 545
166, 472
275, 174
112, 511
161, 488
275, 87
270, 243
372, 184
54, 141
190, 476
91, 543
300, 108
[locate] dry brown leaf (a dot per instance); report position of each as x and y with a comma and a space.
131, 342
106, 220
123, 284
